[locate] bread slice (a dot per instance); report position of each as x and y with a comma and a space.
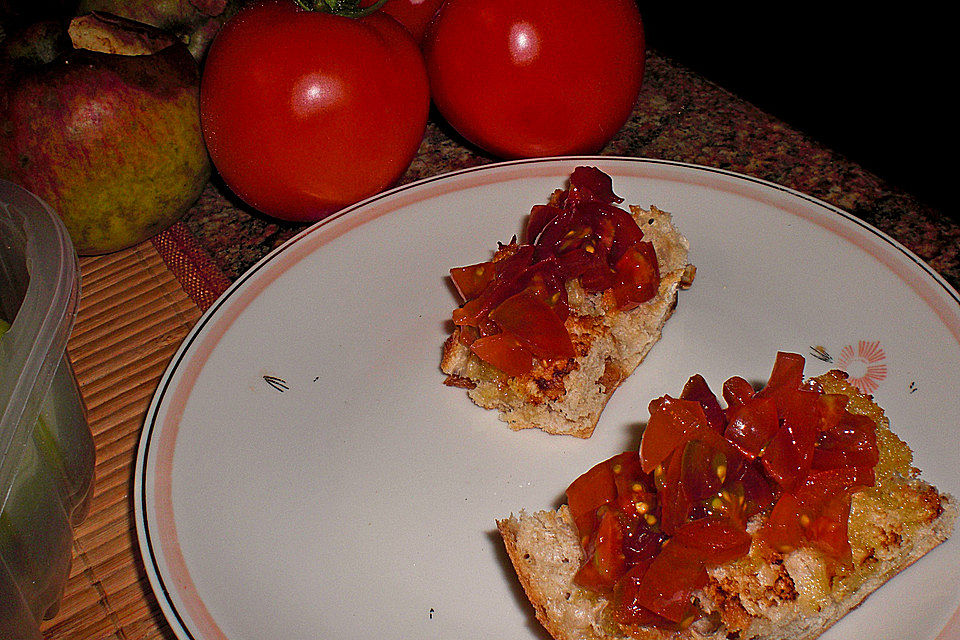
568, 397
765, 595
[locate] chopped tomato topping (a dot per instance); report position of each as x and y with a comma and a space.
612, 507
594, 489
672, 423
715, 539
752, 425
782, 529
606, 562
697, 389
666, 587
591, 184
505, 352
846, 439
638, 276
652, 523
789, 454
581, 235
703, 470
787, 372
736, 392
534, 324
471, 280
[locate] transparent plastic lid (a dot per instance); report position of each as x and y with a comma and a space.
39, 292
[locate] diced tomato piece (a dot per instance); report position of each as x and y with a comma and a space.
535, 325
592, 490
504, 352
619, 231
605, 562
468, 335
638, 276
540, 216
824, 501
508, 273
672, 423
752, 425
591, 184
602, 220
512, 266
703, 470
787, 372
562, 233
666, 587
471, 280
697, 389
589, 264
675, 506
470, 313
829, 530
716, 540
833, 409
636, 494
850, 441
789, 455
736, 392
782, 529
627, 609
817, 513
641, 543
545, 281
822, 486
758, 494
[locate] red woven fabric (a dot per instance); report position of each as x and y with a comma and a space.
196, 272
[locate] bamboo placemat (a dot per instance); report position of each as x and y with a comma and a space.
136, 307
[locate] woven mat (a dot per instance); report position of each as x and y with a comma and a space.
136, 307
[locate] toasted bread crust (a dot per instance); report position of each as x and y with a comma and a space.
765, 595
568, 397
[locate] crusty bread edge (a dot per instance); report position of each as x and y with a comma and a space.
924, 541
509, 530
932, 537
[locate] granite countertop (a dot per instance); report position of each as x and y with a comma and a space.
680, 116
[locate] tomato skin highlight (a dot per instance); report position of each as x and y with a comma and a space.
525, 78
304, 112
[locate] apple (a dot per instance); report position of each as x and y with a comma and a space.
195, 22
107, 131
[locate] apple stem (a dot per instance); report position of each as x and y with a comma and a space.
346, 8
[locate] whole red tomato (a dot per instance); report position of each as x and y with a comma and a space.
415, 15
524, 78
305, 112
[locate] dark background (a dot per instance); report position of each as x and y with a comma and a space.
872, 84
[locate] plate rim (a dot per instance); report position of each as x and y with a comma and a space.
352, 216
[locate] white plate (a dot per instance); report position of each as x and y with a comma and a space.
304, 473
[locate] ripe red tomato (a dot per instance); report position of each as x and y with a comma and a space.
524, 78
306, 112
415, 15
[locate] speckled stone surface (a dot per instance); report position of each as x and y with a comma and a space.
680, 116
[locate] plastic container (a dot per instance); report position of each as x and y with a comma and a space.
46, 449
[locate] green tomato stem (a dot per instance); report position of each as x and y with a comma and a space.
345, 8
